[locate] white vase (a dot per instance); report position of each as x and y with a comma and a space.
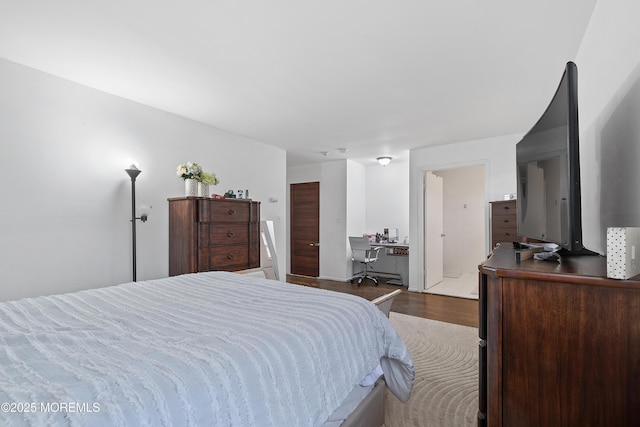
203, 189
190, 187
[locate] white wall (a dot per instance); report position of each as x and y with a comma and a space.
498, 156
357, 209
66, 207
388, 198
333, 224
609, 107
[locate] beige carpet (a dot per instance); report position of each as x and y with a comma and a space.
445, 392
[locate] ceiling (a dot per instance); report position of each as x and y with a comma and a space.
353, 79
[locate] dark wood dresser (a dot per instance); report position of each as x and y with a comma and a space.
559, 343
504, 227
213, 234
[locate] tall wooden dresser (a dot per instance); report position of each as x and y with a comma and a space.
504, 227
213, 234
559, 343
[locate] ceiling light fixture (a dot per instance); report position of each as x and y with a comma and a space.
384, 160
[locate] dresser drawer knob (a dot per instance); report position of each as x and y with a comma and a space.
232, 211
505, 221
231, 233
230, 255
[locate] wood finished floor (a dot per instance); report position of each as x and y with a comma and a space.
460, 311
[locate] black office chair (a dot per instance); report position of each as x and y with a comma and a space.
365, 254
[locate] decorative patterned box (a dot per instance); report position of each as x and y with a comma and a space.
623, 249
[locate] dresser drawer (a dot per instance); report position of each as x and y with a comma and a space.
230, 257
505, 207
223, 234
504, 221
500, 234
224, 211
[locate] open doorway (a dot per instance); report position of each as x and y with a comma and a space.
455, 243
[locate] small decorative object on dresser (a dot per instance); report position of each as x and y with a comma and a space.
203, 189
190, 187
190, 172
196, 181
206, 179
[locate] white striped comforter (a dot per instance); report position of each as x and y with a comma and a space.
209, 349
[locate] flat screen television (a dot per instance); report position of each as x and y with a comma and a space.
548, 166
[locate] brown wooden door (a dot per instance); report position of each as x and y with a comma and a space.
305, 229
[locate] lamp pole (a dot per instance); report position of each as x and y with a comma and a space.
133, 172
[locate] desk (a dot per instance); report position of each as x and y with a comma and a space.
393, 262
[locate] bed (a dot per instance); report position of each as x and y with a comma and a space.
212, 348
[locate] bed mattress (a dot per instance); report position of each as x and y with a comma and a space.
201, 349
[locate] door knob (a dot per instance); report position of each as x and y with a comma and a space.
314, 244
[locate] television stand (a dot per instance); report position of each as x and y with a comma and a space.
559, 343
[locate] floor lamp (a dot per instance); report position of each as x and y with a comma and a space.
133, 172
